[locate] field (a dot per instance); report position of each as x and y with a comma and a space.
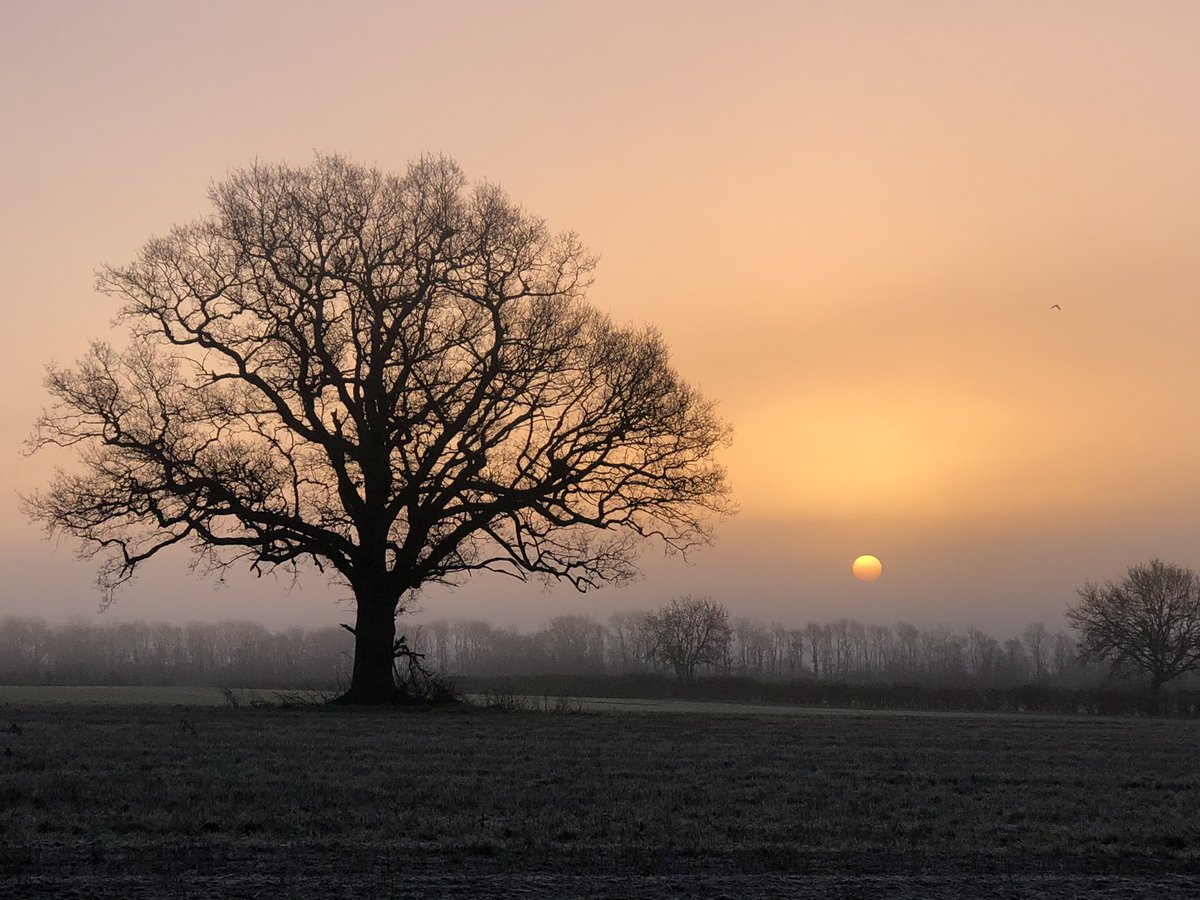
199, 801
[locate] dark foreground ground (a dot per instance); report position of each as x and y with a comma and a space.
195, 802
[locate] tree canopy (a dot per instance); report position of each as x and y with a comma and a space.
689, 632
1149, 619
397, 378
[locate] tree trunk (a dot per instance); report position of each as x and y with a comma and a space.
1156, 683
373, 680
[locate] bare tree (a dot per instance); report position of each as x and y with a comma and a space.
819, 648
753, 642
437, 638
394, 378
689, 632
1149, 619
839, 633
982, 653
574, 643
942, 652
1014, 661
908, 645
780, 660
1036, 639
628, 641
880, 648
1064, 653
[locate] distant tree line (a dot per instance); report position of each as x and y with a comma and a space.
689, 647
246, 653
1143, 629
222, 654
844, 650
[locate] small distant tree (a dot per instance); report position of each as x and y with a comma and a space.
628, 641
1014, 661
689, 632
1150, 619
880, 647
1065, 654
983, 653
754, 644
574, 643
908, 639
1036, 640
817, 636
942, 651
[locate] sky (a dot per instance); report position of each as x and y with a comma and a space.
851, 221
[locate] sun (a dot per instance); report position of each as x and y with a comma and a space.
867, 568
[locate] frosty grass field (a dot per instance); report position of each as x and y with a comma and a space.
148, 792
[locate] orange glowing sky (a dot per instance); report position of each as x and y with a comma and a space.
850, 219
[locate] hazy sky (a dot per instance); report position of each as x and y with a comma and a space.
849, 219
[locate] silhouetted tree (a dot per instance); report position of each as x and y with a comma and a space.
982, 651
1036, 639
689, 632
942, 651
753, 646
574, 643
395, 378
1014, 661
880, 648
1149, 619
908, 640
1065, 654
817, 637
628, 641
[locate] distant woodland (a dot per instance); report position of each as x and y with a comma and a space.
844, 663
33, 651
843, 650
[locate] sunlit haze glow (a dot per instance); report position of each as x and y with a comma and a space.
850, 220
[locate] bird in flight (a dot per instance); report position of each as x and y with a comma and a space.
1056, 306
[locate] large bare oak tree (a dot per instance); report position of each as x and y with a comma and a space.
394, 378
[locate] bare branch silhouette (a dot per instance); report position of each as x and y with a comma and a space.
393, 377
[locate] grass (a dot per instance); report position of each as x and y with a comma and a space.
123, 695
195, 801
